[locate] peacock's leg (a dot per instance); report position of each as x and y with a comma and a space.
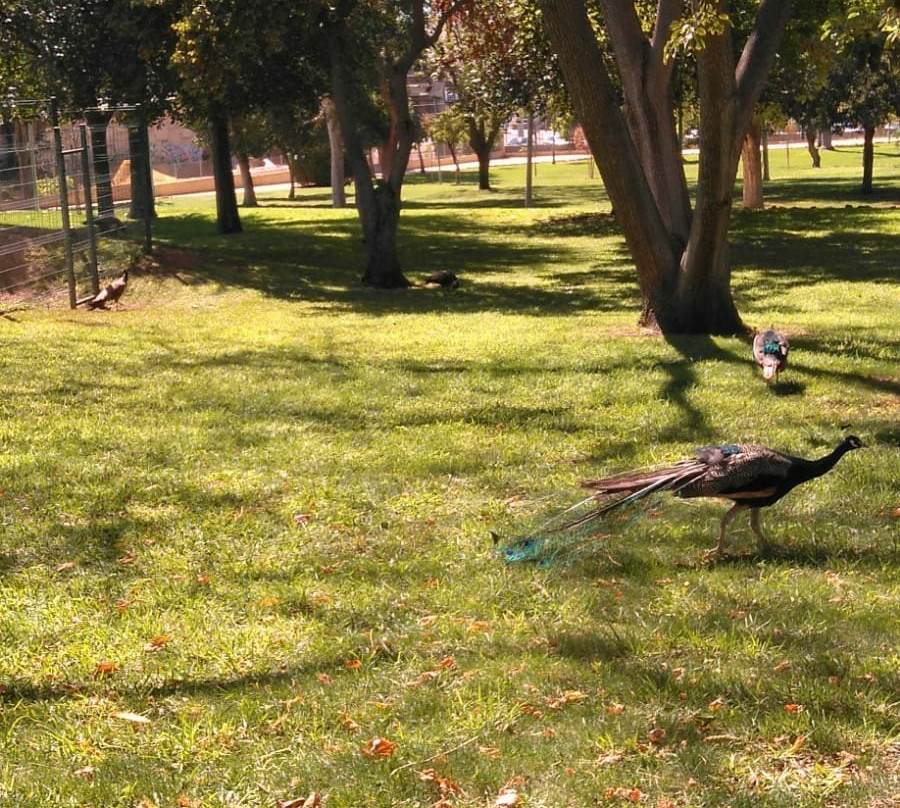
754, 524
723, 525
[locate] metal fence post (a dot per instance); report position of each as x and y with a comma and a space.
64, 201
89, 210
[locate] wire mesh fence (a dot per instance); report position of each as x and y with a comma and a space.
68, 211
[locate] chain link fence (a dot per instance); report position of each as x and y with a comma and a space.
75, 199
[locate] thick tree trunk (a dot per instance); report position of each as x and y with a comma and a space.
868, 159
597, 106
812, 148
243, 160
228, 219
681, 259
764, 142
751, 165
98, 122
705, 304
382, 269
826, 135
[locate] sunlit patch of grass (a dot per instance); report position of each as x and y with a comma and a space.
253, 509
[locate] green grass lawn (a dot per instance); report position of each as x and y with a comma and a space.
245, 553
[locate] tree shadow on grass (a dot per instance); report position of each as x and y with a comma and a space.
308, 261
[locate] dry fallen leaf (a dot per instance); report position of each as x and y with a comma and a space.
782, 666
715, 705
104, 669
347, 722
793, 708
615, 709
66, 565
445, 784
656, 735
185, 801
157, 644
379, 747
352, 664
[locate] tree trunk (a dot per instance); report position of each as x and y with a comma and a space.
764, 142
382, 269
336, 149
377, 201
751, 165
98, 121
868, 159
481, 138
292, 174
812, 148
457, 173
681, 257
243, 160
142, 204
227, 218
827, 134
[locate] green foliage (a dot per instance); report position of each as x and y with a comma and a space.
689, 33
245, 519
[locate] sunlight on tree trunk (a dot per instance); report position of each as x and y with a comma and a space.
751, 166
336, 150
247, 181
812, 148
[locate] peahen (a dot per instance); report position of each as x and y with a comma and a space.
770, 350
750, 475
110, 293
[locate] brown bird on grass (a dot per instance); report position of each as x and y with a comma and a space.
110, 293
770, 350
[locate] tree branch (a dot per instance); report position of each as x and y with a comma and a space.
759, 53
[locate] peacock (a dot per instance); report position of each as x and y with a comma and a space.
770, 350
752, 476
110, 293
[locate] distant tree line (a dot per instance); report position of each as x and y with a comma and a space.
284, 75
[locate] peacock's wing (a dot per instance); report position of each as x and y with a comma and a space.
735, 467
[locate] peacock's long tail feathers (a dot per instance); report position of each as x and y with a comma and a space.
572, 529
